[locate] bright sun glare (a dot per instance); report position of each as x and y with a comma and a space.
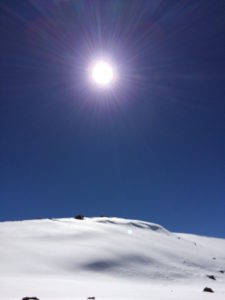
102, 73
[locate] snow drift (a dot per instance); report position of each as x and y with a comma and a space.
109, 258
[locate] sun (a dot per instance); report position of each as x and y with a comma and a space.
102, 73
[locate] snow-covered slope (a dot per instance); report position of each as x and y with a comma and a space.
108, 258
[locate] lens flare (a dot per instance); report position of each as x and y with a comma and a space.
130, 231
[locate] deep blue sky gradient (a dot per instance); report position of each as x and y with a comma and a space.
153, 148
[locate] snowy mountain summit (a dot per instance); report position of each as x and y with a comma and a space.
107, 258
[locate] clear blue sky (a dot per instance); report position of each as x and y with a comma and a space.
151, 148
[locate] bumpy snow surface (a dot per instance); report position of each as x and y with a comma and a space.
107, 258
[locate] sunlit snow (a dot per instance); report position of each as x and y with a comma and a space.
108, 258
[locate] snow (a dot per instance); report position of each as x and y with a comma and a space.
109, 258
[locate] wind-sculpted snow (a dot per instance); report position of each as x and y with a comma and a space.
106, 256
133, 223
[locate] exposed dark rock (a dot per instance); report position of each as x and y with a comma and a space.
91, 298
209, 290
211, 277
79, 217
214, 258
222, 271
30, 298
